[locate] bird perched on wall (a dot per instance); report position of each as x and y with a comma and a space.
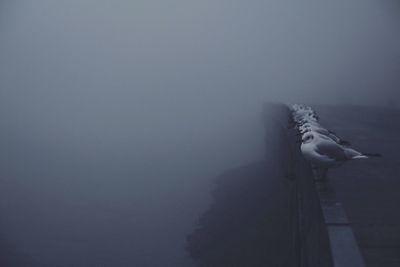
324, 153
320, 146
308, 127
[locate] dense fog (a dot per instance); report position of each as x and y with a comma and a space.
116, 115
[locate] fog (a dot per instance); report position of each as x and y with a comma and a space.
116, 115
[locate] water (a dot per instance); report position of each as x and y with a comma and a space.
111, 198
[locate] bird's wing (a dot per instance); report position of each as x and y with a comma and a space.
332, 150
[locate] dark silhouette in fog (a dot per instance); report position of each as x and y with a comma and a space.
265, 213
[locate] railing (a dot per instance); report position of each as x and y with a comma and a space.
322, 233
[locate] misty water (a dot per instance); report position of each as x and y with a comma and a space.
85, 198
116, 115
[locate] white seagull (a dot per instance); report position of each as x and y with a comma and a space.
306, 128
323, 153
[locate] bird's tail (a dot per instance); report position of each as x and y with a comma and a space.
360, 157
376, 155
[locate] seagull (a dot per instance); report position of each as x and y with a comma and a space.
311, 125
306, 116
320, 130
324, 153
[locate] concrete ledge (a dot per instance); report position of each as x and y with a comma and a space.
345, 251
344, 248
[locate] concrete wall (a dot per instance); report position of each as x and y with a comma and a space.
310, 237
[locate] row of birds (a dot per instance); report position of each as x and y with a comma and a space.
320, 146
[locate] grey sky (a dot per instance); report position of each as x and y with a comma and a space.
200, 51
